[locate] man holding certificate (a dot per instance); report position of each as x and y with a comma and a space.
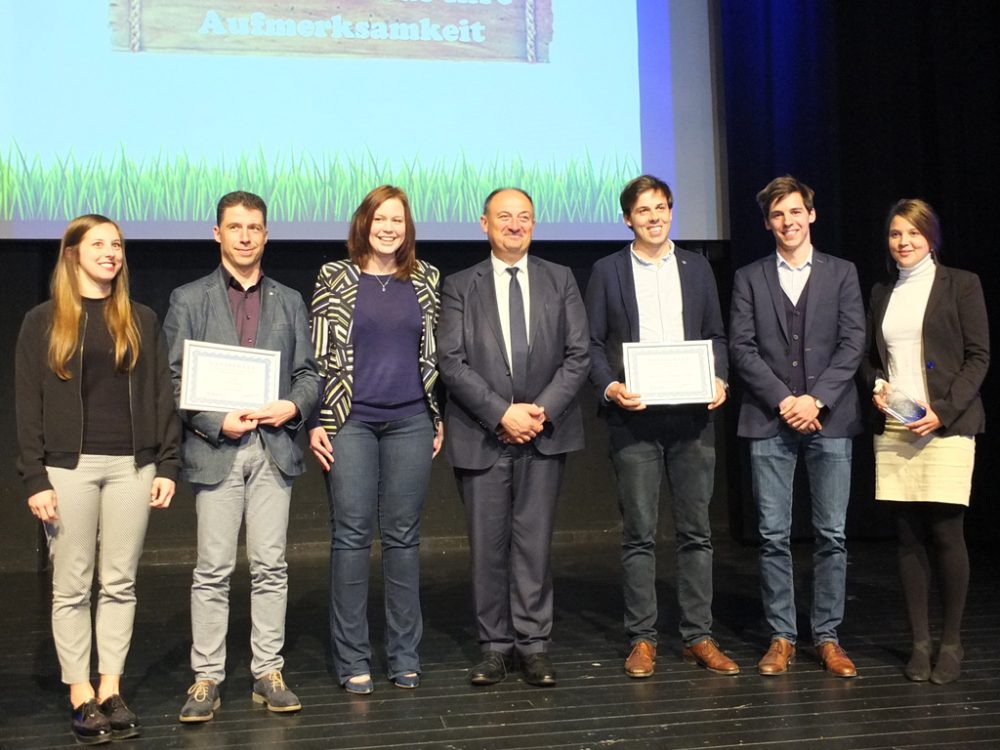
797, 333
240, 455
664, 298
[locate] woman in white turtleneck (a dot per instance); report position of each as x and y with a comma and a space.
928, 336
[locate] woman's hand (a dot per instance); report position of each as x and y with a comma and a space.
43, 506
322, 449
926, 424
438, 439
162, 492
882, 390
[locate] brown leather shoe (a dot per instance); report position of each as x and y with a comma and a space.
641, 661
706, 654
835, 660
780, 654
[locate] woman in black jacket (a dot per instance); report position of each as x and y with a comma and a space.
99, 445
928, 338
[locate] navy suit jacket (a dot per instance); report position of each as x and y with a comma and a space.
614, 314
834, 344
956, 339
200, 311
473, 362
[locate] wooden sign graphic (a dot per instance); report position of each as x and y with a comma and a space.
425, 29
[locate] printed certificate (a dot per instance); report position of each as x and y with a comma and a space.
217, 377
676, 373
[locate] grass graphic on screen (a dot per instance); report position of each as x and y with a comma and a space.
300, 187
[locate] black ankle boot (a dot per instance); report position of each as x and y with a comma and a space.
918, 668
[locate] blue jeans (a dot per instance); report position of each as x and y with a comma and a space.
380, 475
772, 464
686, 447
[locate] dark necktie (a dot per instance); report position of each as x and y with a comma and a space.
518, 338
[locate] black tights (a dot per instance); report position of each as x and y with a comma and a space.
942, 525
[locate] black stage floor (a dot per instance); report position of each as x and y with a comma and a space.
594, 705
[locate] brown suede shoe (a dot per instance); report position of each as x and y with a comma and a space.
641, 661
835, 660
706, 654
778, 657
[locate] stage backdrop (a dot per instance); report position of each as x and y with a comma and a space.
148, 109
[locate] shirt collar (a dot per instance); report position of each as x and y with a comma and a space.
782, 263
232, 283
500, 267
645, 262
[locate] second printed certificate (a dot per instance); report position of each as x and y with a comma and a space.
217, 377
682, 372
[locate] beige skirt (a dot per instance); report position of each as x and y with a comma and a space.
928, 469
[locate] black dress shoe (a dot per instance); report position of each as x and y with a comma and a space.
124, 723
89, 725
538, 670
491, 670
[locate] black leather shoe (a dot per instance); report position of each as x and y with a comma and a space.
538, 670
491, 670
89, 725
124, 723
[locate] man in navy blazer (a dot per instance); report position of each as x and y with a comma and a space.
512, 351
241, 463
796, 338
653, 291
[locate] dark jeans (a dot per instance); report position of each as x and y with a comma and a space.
380, 475
642, 446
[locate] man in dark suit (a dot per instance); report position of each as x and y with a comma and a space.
796, 338
241, 463
653, 291
512, 351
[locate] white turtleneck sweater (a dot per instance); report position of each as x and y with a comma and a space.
903, 327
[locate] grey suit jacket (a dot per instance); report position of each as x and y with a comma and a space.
200, 311
834, 344
473, 362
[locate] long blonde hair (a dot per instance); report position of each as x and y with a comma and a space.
64, 334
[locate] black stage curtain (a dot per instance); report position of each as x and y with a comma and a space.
869, 102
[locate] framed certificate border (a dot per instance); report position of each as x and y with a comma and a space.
682, 372
218, 377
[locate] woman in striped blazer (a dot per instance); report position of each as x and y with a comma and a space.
377, 429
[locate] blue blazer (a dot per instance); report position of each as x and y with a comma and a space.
834, 344
473, 362
614, 314
200, 311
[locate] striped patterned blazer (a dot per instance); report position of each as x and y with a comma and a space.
332, 318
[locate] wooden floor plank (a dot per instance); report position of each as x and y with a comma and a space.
595, 704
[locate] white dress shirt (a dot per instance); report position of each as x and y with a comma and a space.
793, 280
658, 297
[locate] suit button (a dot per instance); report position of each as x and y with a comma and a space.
795, 363
795, 337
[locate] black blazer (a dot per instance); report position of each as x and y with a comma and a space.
473, 362
956, 349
